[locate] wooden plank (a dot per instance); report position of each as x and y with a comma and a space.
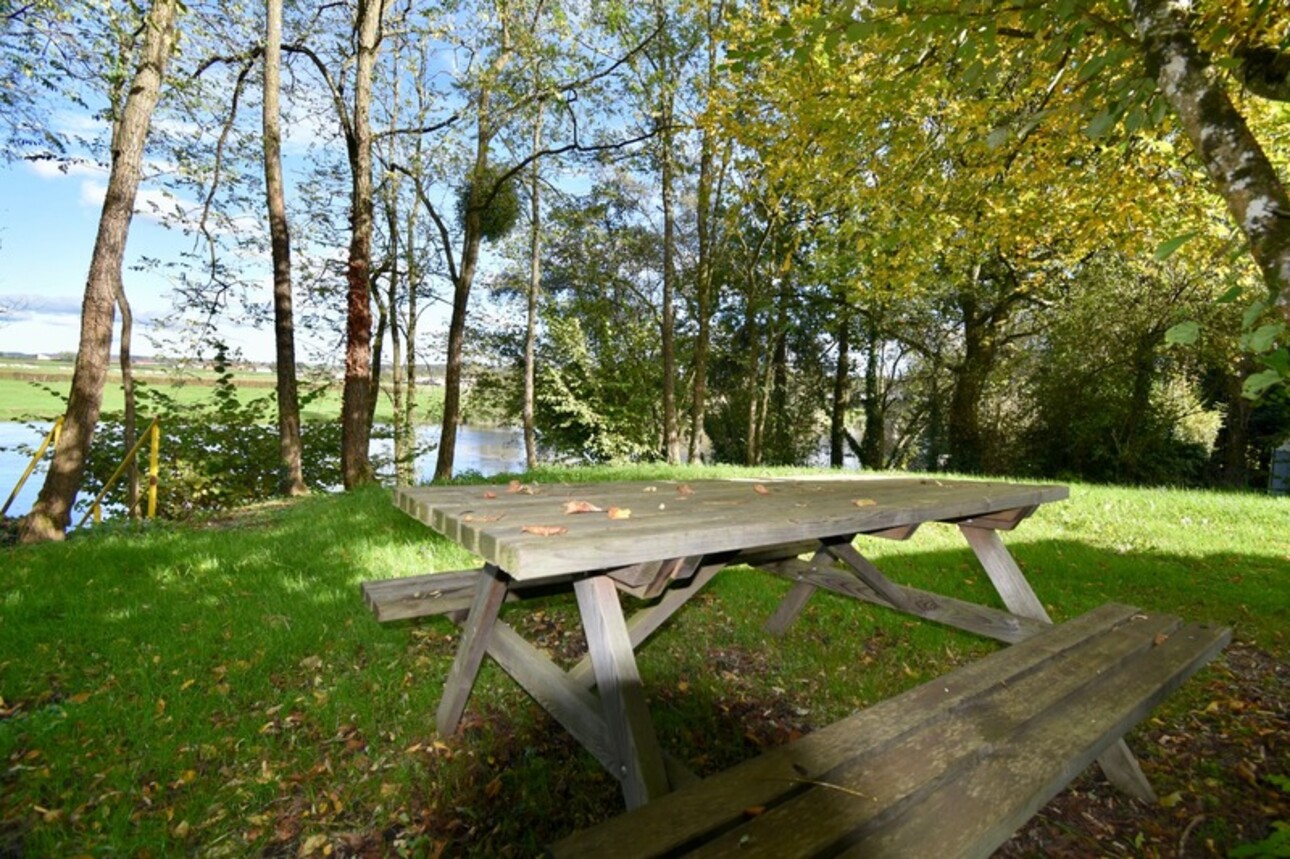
1002, 520
717, 516
489, 595
795, 600
417, 596
866, 571
1004, 573
970, 617
678, 818
1118, 763
976, 813
641, 769
867, 789
645, 622
568, 702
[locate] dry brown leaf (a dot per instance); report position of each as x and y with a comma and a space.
620, 513
490, 494
864, 502
493, 788
760, 489
1161, 638
514, 486
580, 507
684, 490
545, 530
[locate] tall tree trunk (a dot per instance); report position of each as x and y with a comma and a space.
130, 429
841, 390
966, 443
356, 426
407, 457
535, 286
671, 437
291, 479
875, 429
457, 332
49, 516
706, 219
1233, 158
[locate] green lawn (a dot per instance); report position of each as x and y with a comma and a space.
42, 399
219, 688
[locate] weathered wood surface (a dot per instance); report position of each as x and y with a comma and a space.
950, 768
670, 520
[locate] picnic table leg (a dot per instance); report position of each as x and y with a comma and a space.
475, 633
1118, 762
643, 774
794, 601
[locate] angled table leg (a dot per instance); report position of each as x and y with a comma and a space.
475, 634
794, 601
1118, 763
642, 771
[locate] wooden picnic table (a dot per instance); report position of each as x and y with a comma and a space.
662, 541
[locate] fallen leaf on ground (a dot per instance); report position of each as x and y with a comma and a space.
580, 507
545, 530
620, 513
760, 489
864, 502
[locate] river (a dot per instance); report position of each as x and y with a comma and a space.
487, 450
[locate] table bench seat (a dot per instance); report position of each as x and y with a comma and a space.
950, 768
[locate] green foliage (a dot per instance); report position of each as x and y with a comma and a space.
215, 454
497, 202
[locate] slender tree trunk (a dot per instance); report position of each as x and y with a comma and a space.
671, 437
49, 516
752, 452
407, 461
1236, 163
456, 342
875, 430
535, 286
841, 391
356, 426
130, 430
291, 479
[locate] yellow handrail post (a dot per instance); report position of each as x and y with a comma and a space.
116, 474
154, 468
52, 435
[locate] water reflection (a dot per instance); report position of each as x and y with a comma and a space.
487, 450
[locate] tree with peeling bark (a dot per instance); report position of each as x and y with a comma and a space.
50, 515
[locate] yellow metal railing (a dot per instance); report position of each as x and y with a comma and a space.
153, 435
51, 437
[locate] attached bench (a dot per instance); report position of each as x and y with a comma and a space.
951, 768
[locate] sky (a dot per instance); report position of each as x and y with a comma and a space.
48, 221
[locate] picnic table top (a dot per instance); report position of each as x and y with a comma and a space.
532, 531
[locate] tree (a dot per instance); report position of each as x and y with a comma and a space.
291, 478
50, 515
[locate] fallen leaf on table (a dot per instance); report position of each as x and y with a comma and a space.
514, 486
545, 530
490, 494
760, 489
620, 513
684, 490
580, 507
471, 517
864, 502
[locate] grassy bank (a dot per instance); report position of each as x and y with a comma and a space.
220, 689
30, 396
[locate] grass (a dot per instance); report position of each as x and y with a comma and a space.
23, 397
220, 689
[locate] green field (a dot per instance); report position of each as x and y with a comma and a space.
30, 391
219, 689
